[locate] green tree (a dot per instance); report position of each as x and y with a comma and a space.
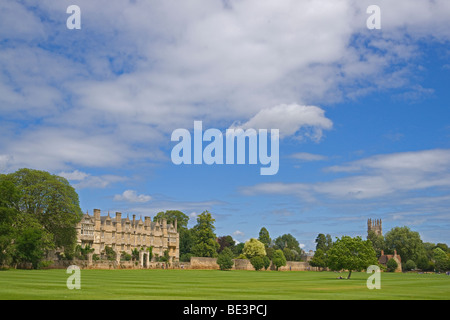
407, 243
225, 259
51, 200
323, 242
278, 259
254, 247
204, 238
410, 265
378, 242
9, 196
31, 243
171, 216
391, 265
351, 254
289, 241
441, 259
257, 262
264, 237
319, 259
266, 262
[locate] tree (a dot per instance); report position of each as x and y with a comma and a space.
204, 238
391, 265
278, 259
288, 241
225, 242
323, 242
378, 242
264, 237
8, 220
407, 243
225, 259
257, 262
351, 254
410, 265
441, 259
31, 242
171, 216
266, 262
254, 247
319, 259
51, 200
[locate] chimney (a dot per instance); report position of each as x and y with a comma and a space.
118, 217
134, 219
97, 214
382, 252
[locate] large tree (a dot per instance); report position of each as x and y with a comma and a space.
204, 238
407, 243
288, 241
351, 254
51, 200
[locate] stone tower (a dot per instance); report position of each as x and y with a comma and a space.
375, 226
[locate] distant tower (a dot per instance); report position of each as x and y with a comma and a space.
374, 226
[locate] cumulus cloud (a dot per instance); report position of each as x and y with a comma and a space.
132, 196
146, 68
292, 119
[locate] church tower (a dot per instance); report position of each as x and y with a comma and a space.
375, 226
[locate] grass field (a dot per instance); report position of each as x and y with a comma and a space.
218, 285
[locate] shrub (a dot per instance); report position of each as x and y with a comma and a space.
278, 259
266, 262
225, 259
391, 265
257, 262
410, 265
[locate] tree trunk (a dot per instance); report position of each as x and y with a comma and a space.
349, 274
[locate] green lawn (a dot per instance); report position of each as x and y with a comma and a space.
218, 285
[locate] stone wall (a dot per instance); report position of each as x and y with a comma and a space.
245, 264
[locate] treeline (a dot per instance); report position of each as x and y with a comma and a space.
415, 254
201, 241
38, 213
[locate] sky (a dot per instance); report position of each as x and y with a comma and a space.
363, 114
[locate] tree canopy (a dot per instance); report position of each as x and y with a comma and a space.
204, 238
351, 254
42, 209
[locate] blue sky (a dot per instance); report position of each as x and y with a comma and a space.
363, 114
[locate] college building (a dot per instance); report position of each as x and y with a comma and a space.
125, 235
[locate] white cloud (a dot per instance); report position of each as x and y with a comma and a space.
373, 177
82, 180
132, 196
292, 119
147, 68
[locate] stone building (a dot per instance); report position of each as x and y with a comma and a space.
375, 226
125, 235
384, 258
